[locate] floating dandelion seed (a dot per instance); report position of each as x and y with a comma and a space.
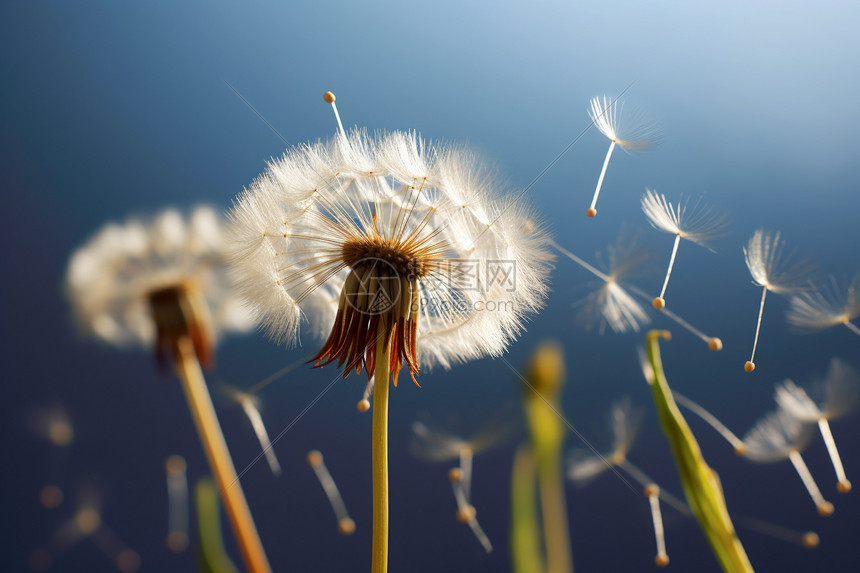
779, 436
772, 271
177, 503
164, 284
633, 134
697, 224
826, 307
393, 246
612, 305
345, 524
53, 424
433, 444
840, 396
250, 404
86, 523
652, 492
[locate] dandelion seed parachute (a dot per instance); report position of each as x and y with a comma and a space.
698, 224
632, 134
826, 307
779, 436
840, 396
774, 271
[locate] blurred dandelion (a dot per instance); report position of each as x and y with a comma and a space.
779, 436
392, 246
164, 283
633, 134
826, 307
86, 523
840, 396
434, 444
772, 270
121, 273
345, 524
698, 224
53, 424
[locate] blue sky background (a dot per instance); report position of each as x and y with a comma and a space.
112, 109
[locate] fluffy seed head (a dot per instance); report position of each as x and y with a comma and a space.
775, 436
114, 279
632, 132
770, 267
388, 230
838, 393
825, 307
697, 223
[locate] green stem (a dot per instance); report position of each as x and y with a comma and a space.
525, 530
554, 511
379, 562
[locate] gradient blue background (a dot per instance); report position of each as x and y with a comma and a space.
111, 109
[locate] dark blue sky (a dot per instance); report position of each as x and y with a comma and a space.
111, 109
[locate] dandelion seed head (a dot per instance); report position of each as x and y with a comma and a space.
111, 278
837, 394
770, 267
697, 223
420, 224
630, 132
775, 436
624, 423
825, 307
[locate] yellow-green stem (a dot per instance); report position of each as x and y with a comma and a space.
525, 530
554, 511
379, 563
203, 412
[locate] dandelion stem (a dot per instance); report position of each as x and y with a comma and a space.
824, 426
671, 264
379, 562
203, 412
602, 175
525, 530
758, 326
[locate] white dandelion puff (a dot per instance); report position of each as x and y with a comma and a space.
839, 390
695, 223
634, 133
772, 270
826, 307
455, 271
779, 436
112, 279
401, 250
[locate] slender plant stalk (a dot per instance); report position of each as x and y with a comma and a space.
548, 432
701, 484
379, 562
203, 412
554, 512
525, 529
213, 558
